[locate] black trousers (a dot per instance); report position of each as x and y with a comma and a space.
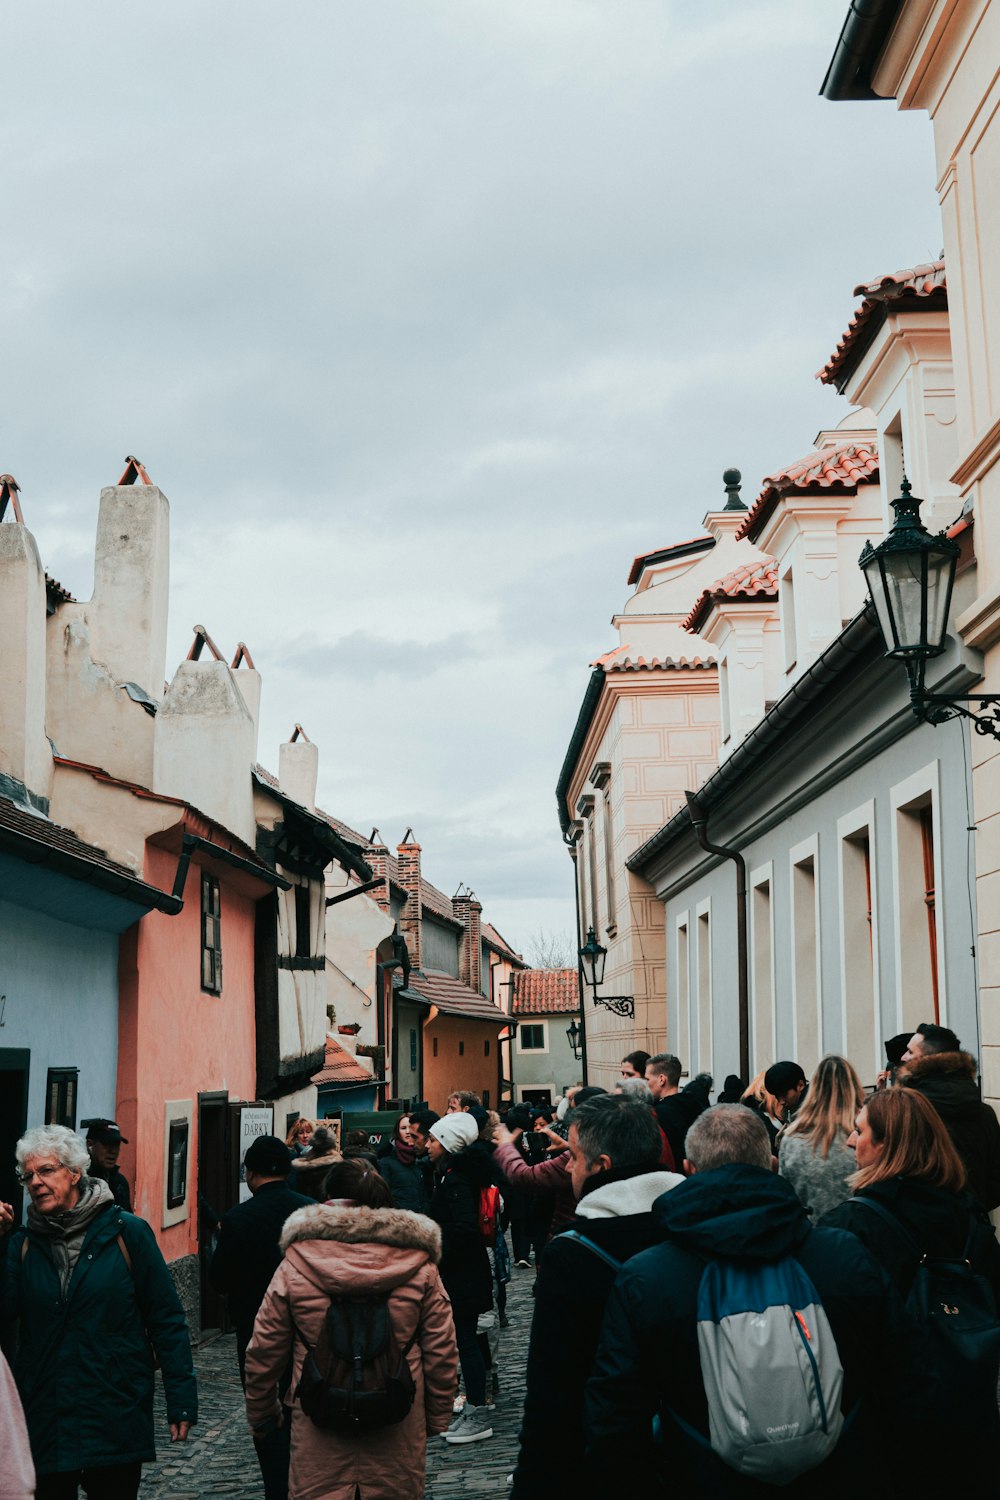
105, 1482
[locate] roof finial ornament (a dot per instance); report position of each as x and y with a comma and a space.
732, 479
9, 490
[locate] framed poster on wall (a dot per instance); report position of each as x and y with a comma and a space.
255, 1120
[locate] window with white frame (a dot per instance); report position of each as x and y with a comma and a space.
805, 954
762, 968
532, 1037
920, 975
704, 962
858, 942
683, 949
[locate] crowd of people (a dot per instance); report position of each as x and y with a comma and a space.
798, 1281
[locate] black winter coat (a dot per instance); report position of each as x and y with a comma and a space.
248, 1254
84, 1368
648, 1360
465, 1264
677, 1113
571, 1292
948, 1081
407, 1181
937, 1221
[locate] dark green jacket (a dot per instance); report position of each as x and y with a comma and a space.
84, 1367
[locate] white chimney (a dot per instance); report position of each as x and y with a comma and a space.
25, 755
298, 769
127, 616
205, 745
249, 683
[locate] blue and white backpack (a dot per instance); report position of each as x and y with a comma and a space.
770, 1367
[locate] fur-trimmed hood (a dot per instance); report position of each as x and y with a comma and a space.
395, 1227
938, 1065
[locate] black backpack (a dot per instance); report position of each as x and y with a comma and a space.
356, 1378
953, 1343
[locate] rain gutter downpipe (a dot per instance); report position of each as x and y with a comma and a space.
699, 824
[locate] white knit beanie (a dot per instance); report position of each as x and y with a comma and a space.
455, 1132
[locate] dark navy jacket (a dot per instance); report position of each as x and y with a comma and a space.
248, 1254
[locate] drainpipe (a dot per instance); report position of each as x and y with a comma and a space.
699, 823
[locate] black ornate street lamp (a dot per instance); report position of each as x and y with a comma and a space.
910, 576
573, 1032
592, 957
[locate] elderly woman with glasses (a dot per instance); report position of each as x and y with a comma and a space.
93, 1299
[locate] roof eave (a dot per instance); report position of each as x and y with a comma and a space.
584, 719
862, 39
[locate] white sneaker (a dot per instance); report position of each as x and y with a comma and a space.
474, 1425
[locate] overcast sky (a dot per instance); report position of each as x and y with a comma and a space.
427, 315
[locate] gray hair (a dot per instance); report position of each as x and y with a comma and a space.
728, 1135
638, 1088
54, 1140
621, 1127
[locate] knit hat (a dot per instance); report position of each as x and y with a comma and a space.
455, 1132
268, 1156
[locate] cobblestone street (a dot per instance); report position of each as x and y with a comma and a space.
219, 1459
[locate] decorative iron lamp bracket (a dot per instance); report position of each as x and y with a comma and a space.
621, 1005
938, 708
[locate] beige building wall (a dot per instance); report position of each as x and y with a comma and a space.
655, 735
942, 58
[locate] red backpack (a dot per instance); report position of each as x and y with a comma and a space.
489, 1213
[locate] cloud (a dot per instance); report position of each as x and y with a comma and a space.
427, 318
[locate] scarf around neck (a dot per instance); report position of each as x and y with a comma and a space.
67, 1231
407, 1154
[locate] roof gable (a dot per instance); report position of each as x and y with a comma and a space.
838, 469
898, 292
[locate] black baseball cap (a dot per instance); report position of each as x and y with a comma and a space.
108, 1132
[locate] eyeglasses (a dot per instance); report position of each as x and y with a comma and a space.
42, 1173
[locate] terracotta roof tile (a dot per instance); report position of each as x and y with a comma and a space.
545, 992
664, 554
341, 1066
56, 593
840, 468
906, 289
661, 663
452, 997
755, 580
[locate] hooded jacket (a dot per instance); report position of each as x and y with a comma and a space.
648, 1359
948, 1081
356, 1252
572, 1289
84, 1364
454, 1205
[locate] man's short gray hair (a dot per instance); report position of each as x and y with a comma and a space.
54, 1140
638, 1088
728, 1135
620, 1127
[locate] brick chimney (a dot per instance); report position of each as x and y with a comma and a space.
377, 856
469, 912
25, 755
408, 857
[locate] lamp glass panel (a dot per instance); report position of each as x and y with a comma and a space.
873, 574
902, 575
940, 572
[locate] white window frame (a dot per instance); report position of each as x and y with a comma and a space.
762, 875
799, 855
681, 1044
901, 797
701, 911
861, 820
533, 1051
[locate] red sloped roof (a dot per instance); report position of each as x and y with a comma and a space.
452, 997
840, 468
755, 580
340, 1066
900, 287
494, 939
661, 664
540, 992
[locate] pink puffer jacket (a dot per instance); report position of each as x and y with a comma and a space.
351, 1251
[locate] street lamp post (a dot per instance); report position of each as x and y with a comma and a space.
573, 1032
592, 958
910, 576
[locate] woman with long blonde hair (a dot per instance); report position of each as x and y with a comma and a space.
813, 1152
